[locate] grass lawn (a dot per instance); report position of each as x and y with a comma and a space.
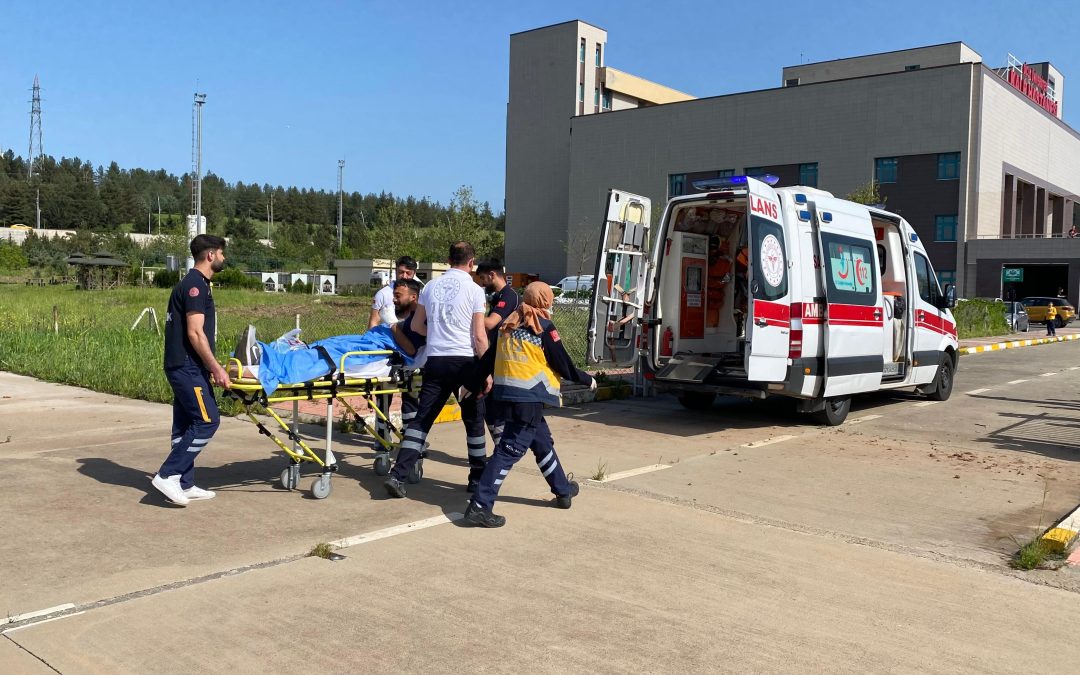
96, 348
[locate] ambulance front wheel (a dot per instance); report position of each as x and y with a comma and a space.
697, 401
836, 411
943, 382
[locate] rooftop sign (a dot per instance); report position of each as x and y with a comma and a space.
1029, 83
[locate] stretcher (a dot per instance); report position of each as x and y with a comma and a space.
373, 382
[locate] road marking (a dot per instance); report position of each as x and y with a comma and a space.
634, 472
1017, 381
368, 537
1075, 368
767, 441
923, 404
864, 418
1047, 374
40, 612
977, 391
38, 623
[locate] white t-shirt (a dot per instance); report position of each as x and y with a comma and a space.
450, 302
384, 304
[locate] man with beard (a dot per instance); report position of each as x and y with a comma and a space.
192, 370
502, 301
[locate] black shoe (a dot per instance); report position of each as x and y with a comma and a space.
564, 502
394, 488
477, 516
473, 486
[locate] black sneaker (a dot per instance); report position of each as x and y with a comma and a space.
565, 501
473, 486
394, 487
479, 517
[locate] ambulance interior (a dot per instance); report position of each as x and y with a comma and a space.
703, 280
892, 258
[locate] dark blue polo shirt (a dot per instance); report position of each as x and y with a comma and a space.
192, 294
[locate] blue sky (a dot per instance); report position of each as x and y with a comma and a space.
413, 94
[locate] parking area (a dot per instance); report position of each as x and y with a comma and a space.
745, 535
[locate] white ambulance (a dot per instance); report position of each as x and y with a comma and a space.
753, 291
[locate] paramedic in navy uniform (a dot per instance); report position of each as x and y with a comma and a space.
450, 313
192, 369
502, 301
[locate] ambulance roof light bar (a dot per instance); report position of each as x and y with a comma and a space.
710, 184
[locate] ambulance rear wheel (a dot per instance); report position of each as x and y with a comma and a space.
835, 412
943, 382
697, 401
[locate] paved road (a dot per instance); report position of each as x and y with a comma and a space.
752, 540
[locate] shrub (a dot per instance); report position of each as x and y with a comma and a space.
12, 257
166, 279
234, 278
979, 318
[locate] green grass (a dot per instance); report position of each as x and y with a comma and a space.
96, 348
322, 550
1031, 555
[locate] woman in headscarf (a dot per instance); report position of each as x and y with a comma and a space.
529, 361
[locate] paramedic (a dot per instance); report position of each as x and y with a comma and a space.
502, 301
382, 308
450, 313
191, 368
529, 361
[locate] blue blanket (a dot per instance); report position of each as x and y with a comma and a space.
305, 364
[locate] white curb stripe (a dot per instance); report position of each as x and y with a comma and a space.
38, 623
41, 612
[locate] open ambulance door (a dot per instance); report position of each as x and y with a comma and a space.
768, 321
621, 275
853, 328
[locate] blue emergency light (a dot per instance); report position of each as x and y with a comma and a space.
712, 184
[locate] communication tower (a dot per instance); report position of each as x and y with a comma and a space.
36, 155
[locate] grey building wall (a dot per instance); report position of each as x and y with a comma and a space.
842, 125
545, 73
876, 64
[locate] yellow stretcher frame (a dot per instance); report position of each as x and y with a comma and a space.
331, 388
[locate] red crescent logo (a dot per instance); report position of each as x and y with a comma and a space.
194, 292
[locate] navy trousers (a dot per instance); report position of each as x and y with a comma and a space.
524, 429
195, 419
443, 376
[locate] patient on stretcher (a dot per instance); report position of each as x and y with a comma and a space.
289, 361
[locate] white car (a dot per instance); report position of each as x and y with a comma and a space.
583, 282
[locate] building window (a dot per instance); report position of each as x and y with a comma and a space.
581, 52
725, 173
885, 169
596, 96
597, 54
676, 184
793, 82
945, 228
910, 68
607, 99
581, 93
946, 277
808, 174
754, 171
948, 166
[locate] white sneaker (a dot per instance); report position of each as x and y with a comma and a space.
195, 492
170, 487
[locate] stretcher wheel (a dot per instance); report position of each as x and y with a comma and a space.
417, 472
290, 477
320, 487
382, 465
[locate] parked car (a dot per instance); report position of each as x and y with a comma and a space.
1036, 307
583, 282
1017, 317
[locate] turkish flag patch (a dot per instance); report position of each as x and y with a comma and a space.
194, 292
555, 335
502, 303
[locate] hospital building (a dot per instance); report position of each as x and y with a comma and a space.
974, 155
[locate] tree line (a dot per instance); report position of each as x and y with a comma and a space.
76, 195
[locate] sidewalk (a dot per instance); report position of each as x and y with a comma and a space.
1036, 335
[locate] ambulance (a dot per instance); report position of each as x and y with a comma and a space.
749, 290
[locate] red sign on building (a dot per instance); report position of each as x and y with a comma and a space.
1032, 85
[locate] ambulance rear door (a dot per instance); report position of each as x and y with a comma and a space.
768, 324
853, 328
621, 274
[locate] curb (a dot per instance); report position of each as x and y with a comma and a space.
1017, 343
1058, 537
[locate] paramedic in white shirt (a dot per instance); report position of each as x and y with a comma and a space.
451, 311
382, 308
